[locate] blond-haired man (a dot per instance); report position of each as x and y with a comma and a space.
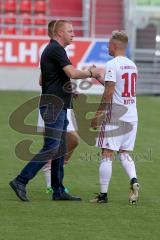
56, 98
72, 137
117, 117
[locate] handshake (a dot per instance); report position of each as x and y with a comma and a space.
96, 73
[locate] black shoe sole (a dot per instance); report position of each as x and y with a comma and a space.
15, 190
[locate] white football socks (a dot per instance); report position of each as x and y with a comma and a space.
47, 177
47, 173
128, 164
105, 173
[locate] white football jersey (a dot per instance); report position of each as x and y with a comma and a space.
123, 72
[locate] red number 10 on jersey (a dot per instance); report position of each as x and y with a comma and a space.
129, 92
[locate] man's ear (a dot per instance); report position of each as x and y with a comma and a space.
60, 33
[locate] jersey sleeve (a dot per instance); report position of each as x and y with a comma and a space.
110, 72
60, 56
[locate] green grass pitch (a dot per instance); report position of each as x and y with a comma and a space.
44, 219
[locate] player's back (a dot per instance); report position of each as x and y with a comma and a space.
123, 72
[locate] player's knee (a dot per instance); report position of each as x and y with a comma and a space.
73, 139
46, 167
124, 156
107, 153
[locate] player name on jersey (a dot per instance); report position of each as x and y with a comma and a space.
129, 101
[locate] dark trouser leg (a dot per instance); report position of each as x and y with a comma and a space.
57, 174
57, 166
49, 150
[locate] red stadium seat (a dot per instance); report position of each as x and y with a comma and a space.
26, 31
10, 6
10, 30
40, 6
40, 31
25, 6
40, 19
26, 18
10, 18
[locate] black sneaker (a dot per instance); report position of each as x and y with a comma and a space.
20, 190
66, 197
100, 198
134, 191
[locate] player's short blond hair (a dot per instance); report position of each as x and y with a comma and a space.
120, 36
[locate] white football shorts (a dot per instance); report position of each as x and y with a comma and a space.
72, 126
116, 137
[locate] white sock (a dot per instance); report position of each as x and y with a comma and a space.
47, 177
105, 173
46, 169
128, 164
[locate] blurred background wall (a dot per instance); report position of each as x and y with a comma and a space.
23, 29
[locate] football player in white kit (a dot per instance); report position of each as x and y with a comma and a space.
72, 135
117, 117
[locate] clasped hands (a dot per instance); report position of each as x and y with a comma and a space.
95, 71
